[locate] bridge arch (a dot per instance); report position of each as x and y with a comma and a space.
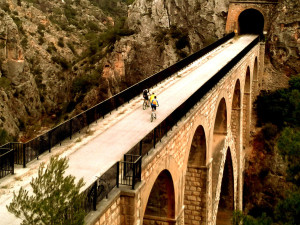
161, 201
251, 21
246, 108
226, 200
220, 127
195, 193
235, 124
219, 137
255, 79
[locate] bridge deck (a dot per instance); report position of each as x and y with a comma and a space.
108, 144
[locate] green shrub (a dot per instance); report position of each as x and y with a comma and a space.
82, 84
55, 198
18, 22
61, 61
287, 211
239, 218
294, 82
3, 137
71, 47
41, 29
69, 12
61, 42
93, 26
4, 82
51, 48
289, 147
4, 6
41, 40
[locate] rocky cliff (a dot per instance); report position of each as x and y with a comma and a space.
62, 56
283, 44
44, 47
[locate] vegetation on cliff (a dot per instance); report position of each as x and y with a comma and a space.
272, 178
52, 54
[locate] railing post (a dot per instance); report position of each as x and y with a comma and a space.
12, 162
124, 166
141, 147
24, 158
118, 172
140, 169
95, 196
133, 175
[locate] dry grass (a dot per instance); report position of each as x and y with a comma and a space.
18, 178
89, 132
78, 140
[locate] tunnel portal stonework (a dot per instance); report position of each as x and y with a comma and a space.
194, 189
266, 8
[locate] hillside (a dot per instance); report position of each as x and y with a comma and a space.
63, 56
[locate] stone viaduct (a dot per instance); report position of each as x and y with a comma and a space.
195, 175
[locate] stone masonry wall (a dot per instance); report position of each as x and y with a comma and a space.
111, 215
235, 10
195, 196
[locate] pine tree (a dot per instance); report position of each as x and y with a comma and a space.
55, 200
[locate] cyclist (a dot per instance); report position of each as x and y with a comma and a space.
146, 95
154, 103
152, 97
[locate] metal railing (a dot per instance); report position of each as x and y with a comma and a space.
129, 170
100, 188
26, 152
6, 162
150, 140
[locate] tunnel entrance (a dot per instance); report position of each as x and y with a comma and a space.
251, 21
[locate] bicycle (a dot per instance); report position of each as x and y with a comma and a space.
153, 115
145, 104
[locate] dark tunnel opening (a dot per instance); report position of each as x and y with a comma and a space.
251, 21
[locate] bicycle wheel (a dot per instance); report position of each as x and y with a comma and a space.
144, 105
151, 119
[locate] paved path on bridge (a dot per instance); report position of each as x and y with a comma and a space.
106, 142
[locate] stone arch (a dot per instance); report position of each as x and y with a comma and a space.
195, 180
219, 137
160, 206
235, 124
220, 127
246, 109
255, 79
226, 202
251, 21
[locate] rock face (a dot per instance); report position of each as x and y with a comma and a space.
165, 32
284, 38
60, 57
40, 41
17, 83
